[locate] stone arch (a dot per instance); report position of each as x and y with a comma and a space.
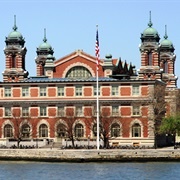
7, 122
116, 126
79, 129
139, 125
60, 132
39, 125
78, 64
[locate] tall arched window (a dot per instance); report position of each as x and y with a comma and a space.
136, 130
8, 131
150, 63
43, 130
61, 130
95, 129
165, 67
79, 130
25, 130
78, 72
115, 130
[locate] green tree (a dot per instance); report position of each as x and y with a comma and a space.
170, 125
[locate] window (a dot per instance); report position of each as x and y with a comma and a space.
136, 110
114, 91
136, 130
135, 90
115, 130
7, 92
95, 91
79, 131
8, 131
78, 91
115, 110
165, 67
150, 59
79, 111
43, 130
61, 130
60, 91
78, 72
25, 130
42, 91
95, 130
25, 111
25, 91
7, 112
60, 111
43, 111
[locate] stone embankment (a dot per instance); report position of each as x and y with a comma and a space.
119, 155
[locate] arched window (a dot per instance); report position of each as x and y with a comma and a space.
43, 130
165, 67
115, 130
136, 130
150, 59
79, 130
95, 129
61, 130
8, 131
78, 72
25, 130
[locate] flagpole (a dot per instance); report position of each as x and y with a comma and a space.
97, 85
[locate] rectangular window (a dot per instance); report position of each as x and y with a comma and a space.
42, 91
136, 110
115, 110
7, 92
135, 90
25, 111
95, 91
7, 112
25, 91
78, 91
43, 111
79, 111
60, 111
114, 91
60, 91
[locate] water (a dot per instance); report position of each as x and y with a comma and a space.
83, 171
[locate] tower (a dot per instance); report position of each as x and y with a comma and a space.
43, 51
167, 61
15, 56
149, 50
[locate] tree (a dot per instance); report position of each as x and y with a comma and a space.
105, 121
170, 125
23, 126
157, 107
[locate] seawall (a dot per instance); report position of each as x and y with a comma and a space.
119, 155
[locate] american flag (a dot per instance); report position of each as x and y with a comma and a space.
97, 51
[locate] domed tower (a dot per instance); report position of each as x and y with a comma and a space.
42, 52
167, 61
15, 56
149, 49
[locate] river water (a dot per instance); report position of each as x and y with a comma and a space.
23, 170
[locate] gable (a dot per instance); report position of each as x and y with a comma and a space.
76, 59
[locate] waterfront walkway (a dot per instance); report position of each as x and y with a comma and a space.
91, 155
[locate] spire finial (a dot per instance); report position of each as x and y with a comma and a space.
14, 27
165, 36
150, 22
44, 35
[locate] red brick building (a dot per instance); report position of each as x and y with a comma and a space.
60, 101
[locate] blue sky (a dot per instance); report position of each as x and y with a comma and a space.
71, 25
